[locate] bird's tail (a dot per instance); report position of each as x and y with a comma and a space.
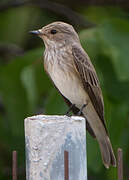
101, 135
107, 153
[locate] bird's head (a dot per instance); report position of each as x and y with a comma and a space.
58, 33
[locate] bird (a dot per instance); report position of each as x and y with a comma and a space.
74, 76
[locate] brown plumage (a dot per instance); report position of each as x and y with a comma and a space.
73, 74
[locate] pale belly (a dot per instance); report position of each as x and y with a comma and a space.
69, 86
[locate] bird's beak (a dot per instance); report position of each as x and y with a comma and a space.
36, 32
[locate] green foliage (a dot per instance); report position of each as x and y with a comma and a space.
108, 45
25, 89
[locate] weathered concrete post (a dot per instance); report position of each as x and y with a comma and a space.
47, 138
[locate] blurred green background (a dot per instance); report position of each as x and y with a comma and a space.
25, 89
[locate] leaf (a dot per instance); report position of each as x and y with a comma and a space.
28, 80
94, 160
110, 37
55, 104
13, 92
115, 37
13, 25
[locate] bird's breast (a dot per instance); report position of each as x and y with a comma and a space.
67, 81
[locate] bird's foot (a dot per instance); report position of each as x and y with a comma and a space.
70, 108
80, 112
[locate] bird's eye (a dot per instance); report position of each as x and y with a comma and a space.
53, 31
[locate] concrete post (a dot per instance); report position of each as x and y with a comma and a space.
51, 138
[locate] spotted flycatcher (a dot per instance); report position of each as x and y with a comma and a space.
73, 74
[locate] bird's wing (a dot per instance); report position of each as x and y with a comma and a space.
89, 79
